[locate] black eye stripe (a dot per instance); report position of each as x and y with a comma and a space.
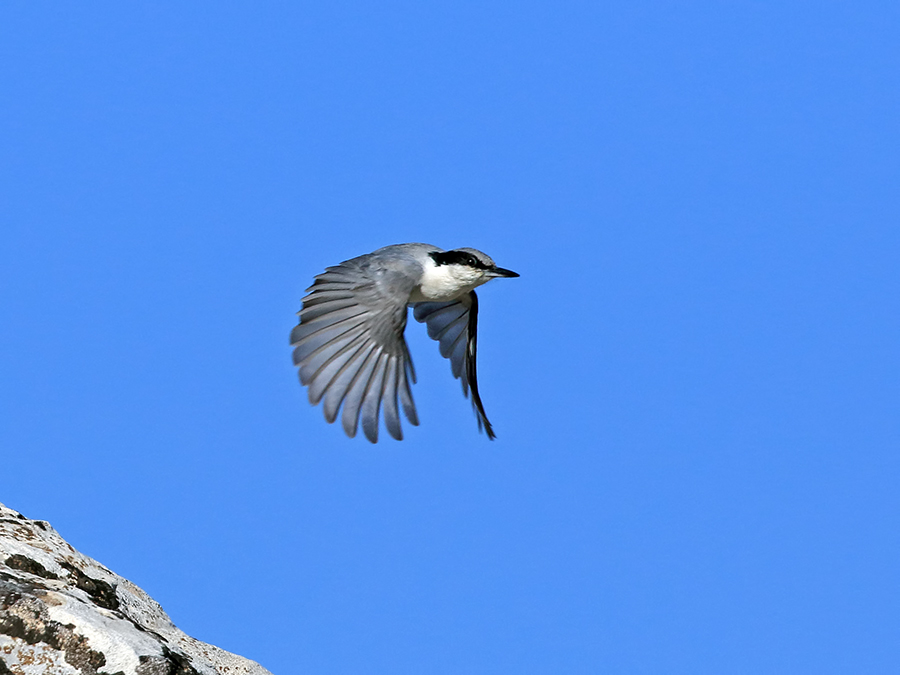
457, 258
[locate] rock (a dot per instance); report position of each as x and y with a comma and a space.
62, 613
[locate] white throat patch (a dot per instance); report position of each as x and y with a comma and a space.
441, 283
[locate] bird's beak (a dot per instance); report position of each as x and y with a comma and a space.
500, 272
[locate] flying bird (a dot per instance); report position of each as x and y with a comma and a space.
349, 344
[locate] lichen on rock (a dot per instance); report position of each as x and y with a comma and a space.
62, 613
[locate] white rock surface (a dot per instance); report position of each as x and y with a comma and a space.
62, 613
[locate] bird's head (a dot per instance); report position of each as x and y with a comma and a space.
469, 266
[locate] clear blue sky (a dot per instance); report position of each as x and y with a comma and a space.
695, 382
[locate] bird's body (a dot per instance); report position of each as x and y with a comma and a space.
349, 344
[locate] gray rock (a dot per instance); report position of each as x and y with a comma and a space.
62, 613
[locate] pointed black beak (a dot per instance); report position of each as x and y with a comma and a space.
500, 272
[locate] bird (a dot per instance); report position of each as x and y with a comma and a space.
350, 347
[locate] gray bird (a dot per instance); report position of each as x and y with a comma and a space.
349, 344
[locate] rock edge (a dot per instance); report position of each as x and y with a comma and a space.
62, 613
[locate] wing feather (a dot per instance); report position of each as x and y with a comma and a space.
349, 345
458, 361
320, 358
320, 295
454, 325
371, 403
336, 390
391, 414
356, 392
315, 311
406, 397
307, 344
325, 375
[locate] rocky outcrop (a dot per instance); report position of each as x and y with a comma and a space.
62, 613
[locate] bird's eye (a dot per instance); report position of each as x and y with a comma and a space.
472, 262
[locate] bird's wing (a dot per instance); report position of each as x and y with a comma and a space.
455, 326
350, 347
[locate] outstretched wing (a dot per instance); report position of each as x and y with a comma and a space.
350, 347
455, 326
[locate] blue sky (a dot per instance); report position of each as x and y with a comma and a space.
695, 382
